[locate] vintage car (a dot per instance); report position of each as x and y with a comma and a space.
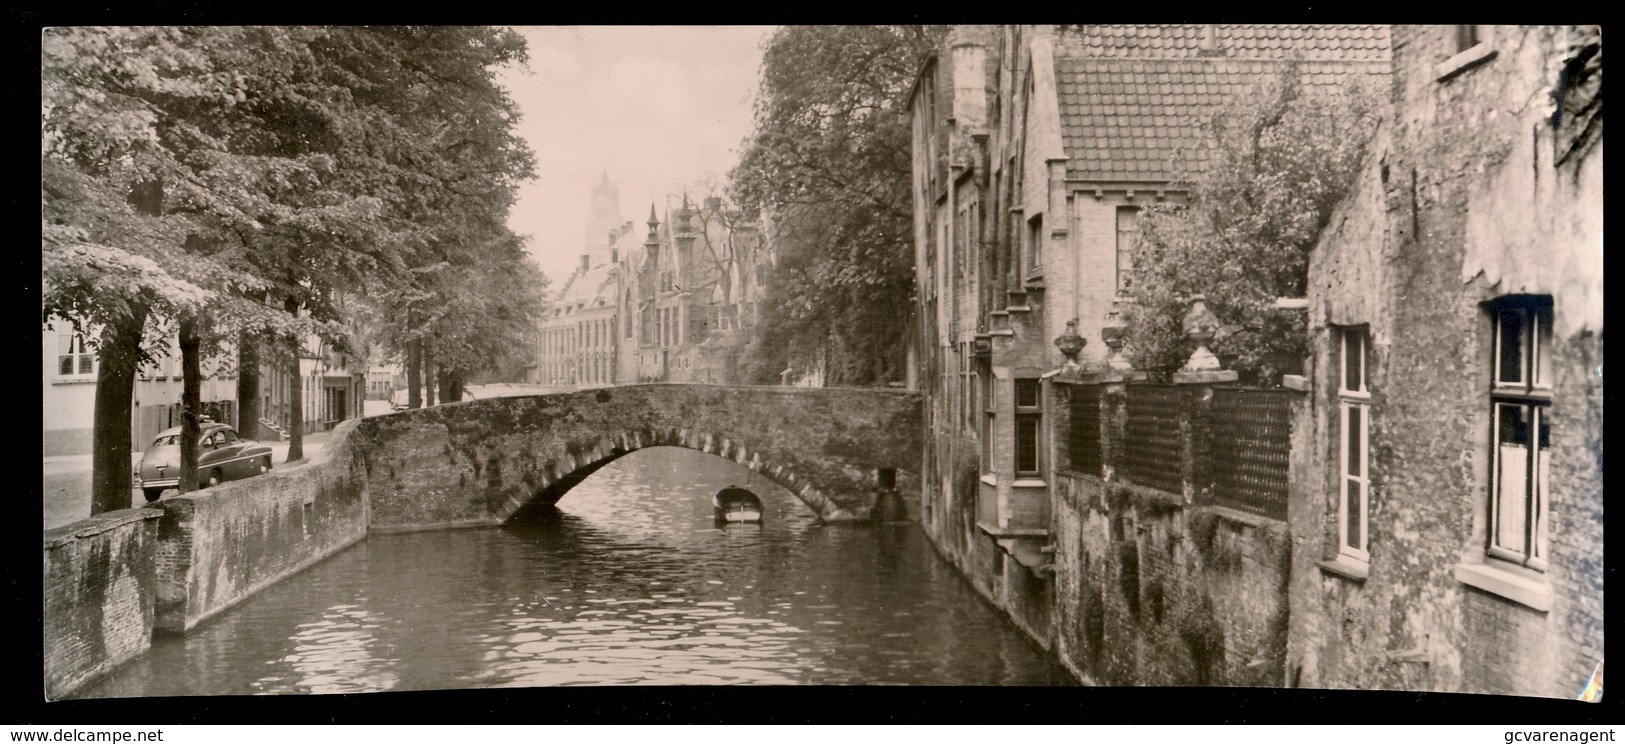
222, 456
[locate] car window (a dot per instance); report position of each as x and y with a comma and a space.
165, 441
227, 436
211, 441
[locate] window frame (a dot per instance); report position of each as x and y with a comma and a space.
1531, 393
1035, 245
79, 353
1024, 415
989, 419
1118, 271
1350, 401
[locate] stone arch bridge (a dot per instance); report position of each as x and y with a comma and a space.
484, 461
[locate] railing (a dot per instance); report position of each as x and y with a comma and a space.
1151, 437
1235, 446
1084, 440
1250, 469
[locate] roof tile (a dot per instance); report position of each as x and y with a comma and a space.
1134, 99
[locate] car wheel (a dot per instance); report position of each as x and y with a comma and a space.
214, 479
152, 494
265, 466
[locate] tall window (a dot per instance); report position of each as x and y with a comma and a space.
986, 370
1035, 242
71, 357
1520, 395
1029, 417
966, 415
1354, 443
1128, 232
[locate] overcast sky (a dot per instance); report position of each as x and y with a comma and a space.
657, 108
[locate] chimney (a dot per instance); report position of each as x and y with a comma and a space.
1209, 46
583, 262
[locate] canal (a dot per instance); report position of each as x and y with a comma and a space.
627, 582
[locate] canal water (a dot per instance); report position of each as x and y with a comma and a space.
628, 582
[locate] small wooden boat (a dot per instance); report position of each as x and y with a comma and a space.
735, 505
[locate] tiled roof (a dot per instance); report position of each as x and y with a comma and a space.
1133, 99
1237, 41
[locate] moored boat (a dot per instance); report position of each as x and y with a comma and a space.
735, 505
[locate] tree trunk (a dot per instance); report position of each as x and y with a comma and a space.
111, 445
248, 385
451, 385
428, 371
414, 373
296, 392
191, 403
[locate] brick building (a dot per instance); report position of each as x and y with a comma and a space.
1189, 533
1450, 507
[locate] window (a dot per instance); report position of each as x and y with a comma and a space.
1029, 417
1128, 232
1469, 47
1520, 395
966, 417
1035, 242
987, 419
1353, 443
1468, 37
72, 358
961, 241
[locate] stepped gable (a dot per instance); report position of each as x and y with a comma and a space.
1133, 99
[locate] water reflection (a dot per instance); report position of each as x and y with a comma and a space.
628, 582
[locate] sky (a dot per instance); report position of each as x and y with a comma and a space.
658, 108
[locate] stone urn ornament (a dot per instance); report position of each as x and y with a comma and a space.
1114, 335
1200, 325
1071, 344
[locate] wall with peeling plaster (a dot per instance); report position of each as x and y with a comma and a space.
1462, 200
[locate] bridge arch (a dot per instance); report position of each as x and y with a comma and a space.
556, 478
481, 461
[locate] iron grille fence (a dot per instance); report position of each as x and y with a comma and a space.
1083, 441
1151, 452
1253, 433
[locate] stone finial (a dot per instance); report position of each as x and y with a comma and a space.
1114, 335
1200, 325
1071, 344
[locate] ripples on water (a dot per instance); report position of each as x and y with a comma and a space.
628, 582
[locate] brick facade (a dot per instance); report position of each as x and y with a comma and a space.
99, 596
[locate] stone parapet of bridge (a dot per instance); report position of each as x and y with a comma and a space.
486, 461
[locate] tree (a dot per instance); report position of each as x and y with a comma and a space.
1279, 163
830, 161
241, 180
122, 112
465, 293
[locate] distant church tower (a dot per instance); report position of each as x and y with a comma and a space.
604, 216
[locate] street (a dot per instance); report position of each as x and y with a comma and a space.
67, 477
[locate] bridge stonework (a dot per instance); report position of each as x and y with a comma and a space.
482, 462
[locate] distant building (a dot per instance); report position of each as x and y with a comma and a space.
672, 303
